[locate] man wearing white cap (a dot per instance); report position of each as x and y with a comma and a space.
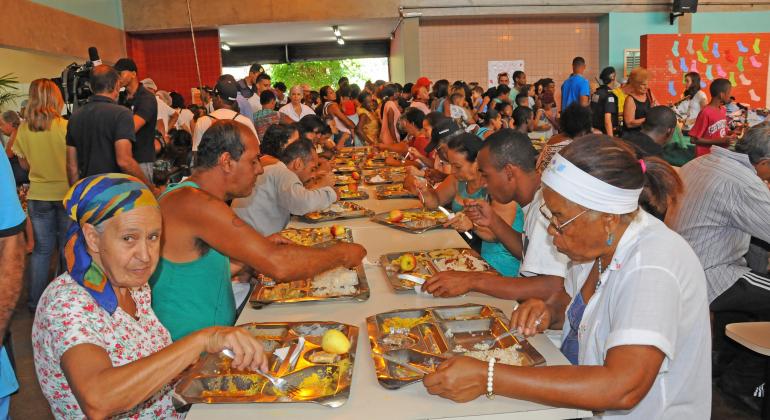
167, 116
224, 98
634, 312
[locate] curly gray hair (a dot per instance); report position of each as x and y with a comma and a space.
756, 143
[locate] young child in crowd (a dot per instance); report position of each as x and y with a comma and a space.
710, 126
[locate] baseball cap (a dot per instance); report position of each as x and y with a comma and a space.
149, 84
256, 68
226, 89
443, 129
422, 81
125, 64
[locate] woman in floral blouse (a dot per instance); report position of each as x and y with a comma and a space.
99, 349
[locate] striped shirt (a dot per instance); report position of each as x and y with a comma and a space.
724, 204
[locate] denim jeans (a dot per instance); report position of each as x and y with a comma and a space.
49, 224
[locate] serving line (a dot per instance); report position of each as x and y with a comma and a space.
368, 400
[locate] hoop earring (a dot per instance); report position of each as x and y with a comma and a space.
610, 239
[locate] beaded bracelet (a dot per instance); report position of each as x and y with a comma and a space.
490, 377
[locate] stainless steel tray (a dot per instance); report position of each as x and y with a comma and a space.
430, 262
268, 292
320, 236
346, 194
415, 220
387, 192
212, 380
352, 211
425, 337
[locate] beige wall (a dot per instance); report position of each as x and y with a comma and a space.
30, 65
458, 49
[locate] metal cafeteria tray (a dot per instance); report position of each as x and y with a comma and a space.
320, 236
212, 380
351, 211
385, 192
430, 262
268, 292
413, 221
409, 343
385, 177
346, 194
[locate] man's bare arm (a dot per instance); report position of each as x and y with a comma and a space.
11, 272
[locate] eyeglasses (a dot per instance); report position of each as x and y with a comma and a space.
551, 218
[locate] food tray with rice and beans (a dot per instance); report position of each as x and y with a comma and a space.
338, 284
338, 210
372, 163
316, 364
412, 220
351, 192
318, 237
391, 191
424, 264
384, 176
345, 179
410, 343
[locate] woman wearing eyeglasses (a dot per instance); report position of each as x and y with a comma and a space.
634, 310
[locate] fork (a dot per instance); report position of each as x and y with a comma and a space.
280, 384
491, 342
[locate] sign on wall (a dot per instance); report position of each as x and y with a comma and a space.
496, 67
740, 58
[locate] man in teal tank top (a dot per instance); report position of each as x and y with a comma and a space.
205, 242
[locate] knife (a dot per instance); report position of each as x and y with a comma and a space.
450, 215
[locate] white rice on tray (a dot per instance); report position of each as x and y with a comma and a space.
507, 356
336, 282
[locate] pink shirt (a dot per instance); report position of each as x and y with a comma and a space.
384, 131
711, 123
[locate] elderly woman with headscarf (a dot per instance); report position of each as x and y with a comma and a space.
634, 308
99, 349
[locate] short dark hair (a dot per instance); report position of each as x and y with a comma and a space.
263, 76
503, 90
578, 61
575, 120
275, 138
719, 86
659, 119
517, 74
103, 79
342, 80
414, 116
522, 115
510, 147
310, 123
256, 68
605, 75
408, 87
266, 97
466, 143
280, 86
302, 149
223, 136
177, 100
522, 96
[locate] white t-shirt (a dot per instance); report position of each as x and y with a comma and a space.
185, 117
653, 293
540, 255
288, 110
205, 122
165, 112
694, 108
254, 102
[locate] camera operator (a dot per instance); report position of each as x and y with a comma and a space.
100, 134
145, 108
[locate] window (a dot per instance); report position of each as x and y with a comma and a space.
631, 60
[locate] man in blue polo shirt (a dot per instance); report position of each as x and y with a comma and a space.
12, 220
576, 88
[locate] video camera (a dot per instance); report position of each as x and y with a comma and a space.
74, 82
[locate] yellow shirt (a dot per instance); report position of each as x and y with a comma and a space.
618, 91
372, 128
46, 153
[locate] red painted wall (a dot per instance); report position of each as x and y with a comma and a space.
741, 58
168, 59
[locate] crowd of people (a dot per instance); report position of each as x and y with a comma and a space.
135, 198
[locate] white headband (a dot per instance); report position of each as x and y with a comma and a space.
576, 185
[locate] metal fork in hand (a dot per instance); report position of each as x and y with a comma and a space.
280, 384
492, 341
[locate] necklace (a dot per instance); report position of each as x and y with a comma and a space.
602, 268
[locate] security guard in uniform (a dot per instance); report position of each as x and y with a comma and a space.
604, 105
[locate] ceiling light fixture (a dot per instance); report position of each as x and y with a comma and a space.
225, 47
340, 41
336, 31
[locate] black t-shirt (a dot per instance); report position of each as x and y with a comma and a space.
643, 143
603, 101
93, 131
145, 105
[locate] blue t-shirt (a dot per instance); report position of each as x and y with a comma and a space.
572, 89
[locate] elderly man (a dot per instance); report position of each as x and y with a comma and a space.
224, 99
656, 131
191, 286
507, 165
726, 201
280, 191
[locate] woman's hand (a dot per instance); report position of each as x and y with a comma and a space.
460, 379
480, 212
460, 223
249, 354
531, 317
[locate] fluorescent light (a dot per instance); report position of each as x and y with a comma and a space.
336, 31
225, 47
340, 41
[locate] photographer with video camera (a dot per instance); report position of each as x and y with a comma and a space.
100, 134
143, 104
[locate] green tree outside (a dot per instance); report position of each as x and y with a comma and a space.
315, 73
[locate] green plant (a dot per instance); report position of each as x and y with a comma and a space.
8, 90
314, 73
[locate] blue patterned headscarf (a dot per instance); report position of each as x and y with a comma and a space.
93, 200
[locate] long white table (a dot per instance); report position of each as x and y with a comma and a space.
368, 400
